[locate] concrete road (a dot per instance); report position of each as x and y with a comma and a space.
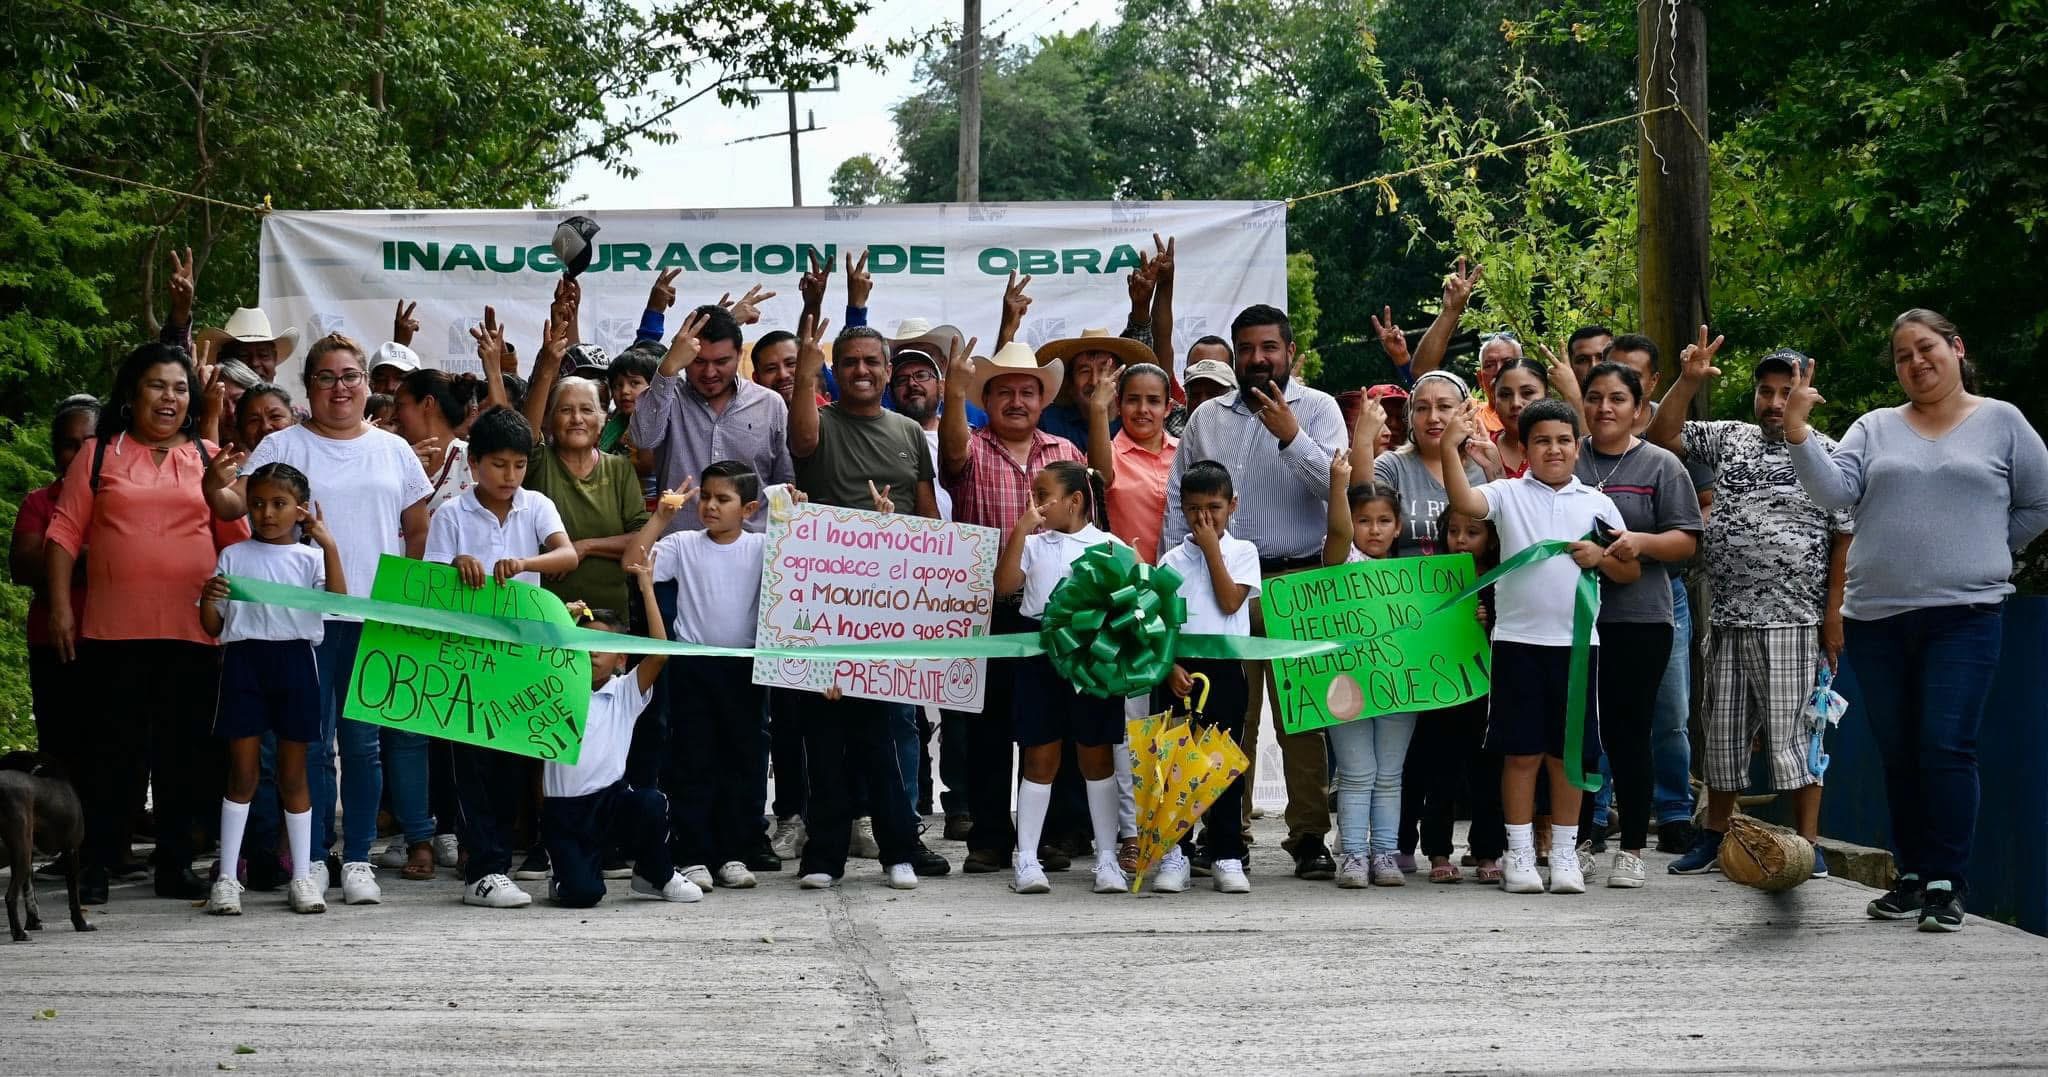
961, 976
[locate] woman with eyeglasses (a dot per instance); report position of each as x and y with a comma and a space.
371, 490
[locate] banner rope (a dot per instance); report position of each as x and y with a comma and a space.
147, 186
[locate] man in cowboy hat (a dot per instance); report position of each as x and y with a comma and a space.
248, 337
1089, 358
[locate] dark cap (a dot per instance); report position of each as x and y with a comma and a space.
1785, 360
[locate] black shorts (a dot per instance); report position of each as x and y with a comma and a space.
268, 686
1525, 713
1048, 710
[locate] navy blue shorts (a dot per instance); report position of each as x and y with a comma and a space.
1048, 710
1525, 712
268, 686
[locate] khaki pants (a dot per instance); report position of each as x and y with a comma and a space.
1304, 757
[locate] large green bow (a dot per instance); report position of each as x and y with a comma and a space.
1110, 627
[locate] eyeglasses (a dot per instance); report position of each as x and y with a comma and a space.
350, 378
917, 375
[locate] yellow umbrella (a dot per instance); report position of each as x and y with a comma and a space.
1177, 773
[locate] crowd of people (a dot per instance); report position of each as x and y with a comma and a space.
632, 487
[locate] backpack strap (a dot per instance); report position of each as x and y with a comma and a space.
99, 457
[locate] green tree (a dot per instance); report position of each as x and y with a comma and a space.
862, 180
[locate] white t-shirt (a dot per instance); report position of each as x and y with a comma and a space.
939, 491
295, 564
363, 485
718, 589
1534, 605
465, 526
1047, 556
607, 737
1241, 558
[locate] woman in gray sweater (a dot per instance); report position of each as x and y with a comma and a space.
1945, 487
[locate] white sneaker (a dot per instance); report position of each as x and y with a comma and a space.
1354, 871
734, 875
816, 880
226, 899
1109, 878
1386, 870
446, 850
1518, 872
862, 841
1230, 877
304, 896
1565, 876
1031, 879
359, 884
1173, 874
902, 877
698, 874
394, 854
1626, 872
496, 892
789, 837
678, 889
319, 875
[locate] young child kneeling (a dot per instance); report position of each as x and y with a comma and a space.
589, 808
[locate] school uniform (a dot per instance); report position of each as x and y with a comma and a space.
590, 808
1046, 708
269, 678
1228, 689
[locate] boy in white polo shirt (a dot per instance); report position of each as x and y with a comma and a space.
1219, 580
1532, 635
498, 530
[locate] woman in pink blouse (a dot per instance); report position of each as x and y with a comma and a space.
1141, 458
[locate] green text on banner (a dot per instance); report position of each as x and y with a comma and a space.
1405, 660
522, 698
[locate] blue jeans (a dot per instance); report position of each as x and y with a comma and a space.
907, 738
362, 766
953, 761
1670, 746
1370, 755
1925, 675
405, 771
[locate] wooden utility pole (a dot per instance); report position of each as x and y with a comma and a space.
1672, 188
969, 189
796, 172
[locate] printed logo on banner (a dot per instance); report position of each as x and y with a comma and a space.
1130, 212
696, 215
1190, 327
842, 213
987, 212
1038, 331
1268, 216
324, 322
614, 335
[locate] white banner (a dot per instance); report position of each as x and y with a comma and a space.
347, 269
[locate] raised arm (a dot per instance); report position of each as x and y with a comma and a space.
1162, 313
1101, 446
1010, 566
657, 525
1365, 436
556, 337
1015, 303
1458, 490
1833, 481
1337, 541
803, 400
1429, 352
490, 352
953, 429
649, 669
1695, 366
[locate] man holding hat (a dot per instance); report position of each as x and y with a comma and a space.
1776, 562
1089, 358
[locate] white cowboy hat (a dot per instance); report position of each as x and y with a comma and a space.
1126, 350
249, 325
1016, 358
937, 342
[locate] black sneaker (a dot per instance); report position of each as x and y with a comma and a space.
1676, 836
928, 864
984, 862
1941, 907
1312, 860
762, 858
1902, 902
1201, 863
535, 866
1704, 855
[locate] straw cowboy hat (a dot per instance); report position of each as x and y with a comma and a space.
250, 325
936, 342
1016, 358
1126, 350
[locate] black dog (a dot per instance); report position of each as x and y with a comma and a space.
38, 809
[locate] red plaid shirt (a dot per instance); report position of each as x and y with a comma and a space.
991, 490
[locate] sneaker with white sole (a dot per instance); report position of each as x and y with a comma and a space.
1230, 878
1386, 870
321, 880
304, 896
447, 850
862, 841
1565, 876
698, 874
496, 892
1172, 877
816, 880
733, 875
1626, 871
789, 838
902, 877
617, 869
1518, 872
535, 867
359, 884
226, 899
1110, 877
1354, 871
677, 889
394, 854
1031, 878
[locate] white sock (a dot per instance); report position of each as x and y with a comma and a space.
1102, 798
298, 831
1522, 838
1033, 798
1564, 840
234, 818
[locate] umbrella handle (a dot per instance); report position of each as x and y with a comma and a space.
1200, 696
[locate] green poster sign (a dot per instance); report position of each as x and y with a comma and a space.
515, 697
1410, 660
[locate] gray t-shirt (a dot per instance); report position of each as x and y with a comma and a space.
886, 448
1650, 487
1936, 521
1422, 499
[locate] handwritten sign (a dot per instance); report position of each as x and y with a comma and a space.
1412, 663
841, 576
519, 698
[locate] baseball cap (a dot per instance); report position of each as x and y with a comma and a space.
1386, 392
1213, 370
392, 353
1785, 360
586, 360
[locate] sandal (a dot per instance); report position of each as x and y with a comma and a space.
1488, 874
1127, 855
1445, 872
419, 863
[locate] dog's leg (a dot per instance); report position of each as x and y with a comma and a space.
78, 921
17, 881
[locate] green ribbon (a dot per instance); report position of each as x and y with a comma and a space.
1110, 627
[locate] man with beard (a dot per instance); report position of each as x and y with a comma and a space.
1776, 561
917, 373
1586, 348
1276, 437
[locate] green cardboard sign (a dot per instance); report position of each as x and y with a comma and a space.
1411, 660
514, 697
